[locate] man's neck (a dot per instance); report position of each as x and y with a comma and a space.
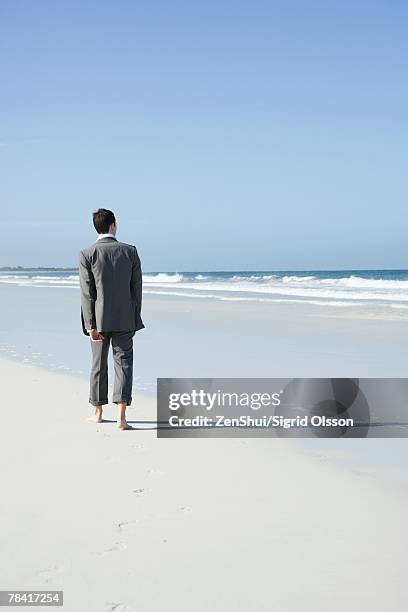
108, 235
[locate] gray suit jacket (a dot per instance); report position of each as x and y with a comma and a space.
110, 279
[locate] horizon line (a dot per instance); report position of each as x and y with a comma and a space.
61, 268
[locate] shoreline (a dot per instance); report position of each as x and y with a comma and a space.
261, 521
187, 337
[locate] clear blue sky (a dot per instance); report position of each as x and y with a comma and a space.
224, 135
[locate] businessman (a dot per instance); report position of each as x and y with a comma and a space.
110, 279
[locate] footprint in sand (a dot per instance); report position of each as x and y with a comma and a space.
49, 574
185, 509
141, 492
117, 547
124, 526
155, 472
118, 607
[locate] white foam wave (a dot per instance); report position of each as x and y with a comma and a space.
162, 277
14, 276
235, 287
40, 281
253, 278
353, 282
309, 290
297, 279
247, 298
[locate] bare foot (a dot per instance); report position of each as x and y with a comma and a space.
123, 425
96, 416
121, 418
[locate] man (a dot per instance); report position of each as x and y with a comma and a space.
110, 279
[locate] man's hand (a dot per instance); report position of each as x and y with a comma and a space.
96, 336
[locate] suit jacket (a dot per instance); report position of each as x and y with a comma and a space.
110, 279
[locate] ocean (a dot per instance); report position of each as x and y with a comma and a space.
341, 288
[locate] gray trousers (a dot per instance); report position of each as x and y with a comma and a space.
122, 352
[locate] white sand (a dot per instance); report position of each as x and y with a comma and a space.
122, 521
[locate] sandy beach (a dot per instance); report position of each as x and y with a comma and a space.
122, 521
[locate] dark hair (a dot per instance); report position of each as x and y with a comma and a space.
102, 220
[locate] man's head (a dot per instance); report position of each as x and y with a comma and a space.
104, 221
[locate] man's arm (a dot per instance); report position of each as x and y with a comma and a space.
136, 282
88, 292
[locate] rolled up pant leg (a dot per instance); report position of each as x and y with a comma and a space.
98, 389
122, 350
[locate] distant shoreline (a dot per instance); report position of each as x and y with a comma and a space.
264, 271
